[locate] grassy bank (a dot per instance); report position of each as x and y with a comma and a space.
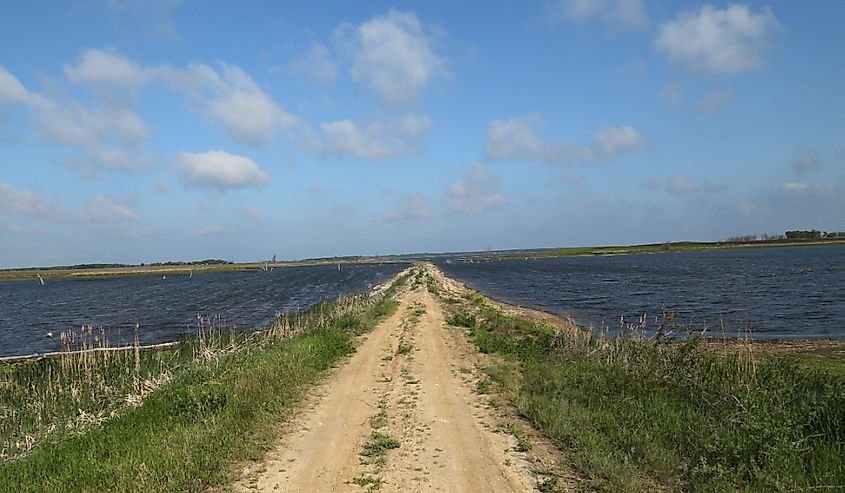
643, 415
678, 246
173, 420
33, 273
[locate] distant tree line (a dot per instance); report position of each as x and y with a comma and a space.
209, 261
797, 234
803, 235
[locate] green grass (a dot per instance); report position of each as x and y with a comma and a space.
833, 365
678, 246
222, 406
378, 445
639, 416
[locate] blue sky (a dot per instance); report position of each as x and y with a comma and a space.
138, 131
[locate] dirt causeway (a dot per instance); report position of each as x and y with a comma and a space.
402, 414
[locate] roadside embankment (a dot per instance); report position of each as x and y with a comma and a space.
638, 414
170, 420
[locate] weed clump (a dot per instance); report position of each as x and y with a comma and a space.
635, 412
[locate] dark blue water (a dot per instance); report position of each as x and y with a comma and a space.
166, 309
771, 292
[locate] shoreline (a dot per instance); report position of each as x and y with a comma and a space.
32, 273
827, 346
69, 272
14, 359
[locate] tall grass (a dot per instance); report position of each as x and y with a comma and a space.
171, 420
641, 414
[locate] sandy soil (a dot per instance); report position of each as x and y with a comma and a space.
413, 379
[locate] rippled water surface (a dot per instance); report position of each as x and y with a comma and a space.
773, 292
168, 308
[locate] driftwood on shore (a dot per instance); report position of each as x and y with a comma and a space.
29, 358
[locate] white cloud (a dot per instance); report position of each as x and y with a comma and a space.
251, 213
515, 139
227, 94
380, 140
415, 208
795, 187
629, 14
718, 41
715, 101
393, 55
108, 67
317, 65
12, 91
103, 137
230, 96
215, 230
162, 187
476, 193
806, 160
103, 210
609, 141
678, 184
31, 204
100, 210
220, 170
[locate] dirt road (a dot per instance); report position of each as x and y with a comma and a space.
402, 414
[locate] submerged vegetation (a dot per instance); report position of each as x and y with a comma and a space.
640, 414
169, 420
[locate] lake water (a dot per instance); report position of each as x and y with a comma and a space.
771, 292
166, 309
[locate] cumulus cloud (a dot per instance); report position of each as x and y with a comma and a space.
100, 210
163, 187
678, 184
108, 67
318, 65
414, 208
715, 101
379, 140
609, 141
220, 170
226, 94
795, 187
392, 54
102, 137
12, 91
252, 213
629, 14
229, 95
805, 161
104, 210
31, 204
711, 40
476, 192
516, 139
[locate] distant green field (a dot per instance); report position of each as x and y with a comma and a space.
89, 271
680, 246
